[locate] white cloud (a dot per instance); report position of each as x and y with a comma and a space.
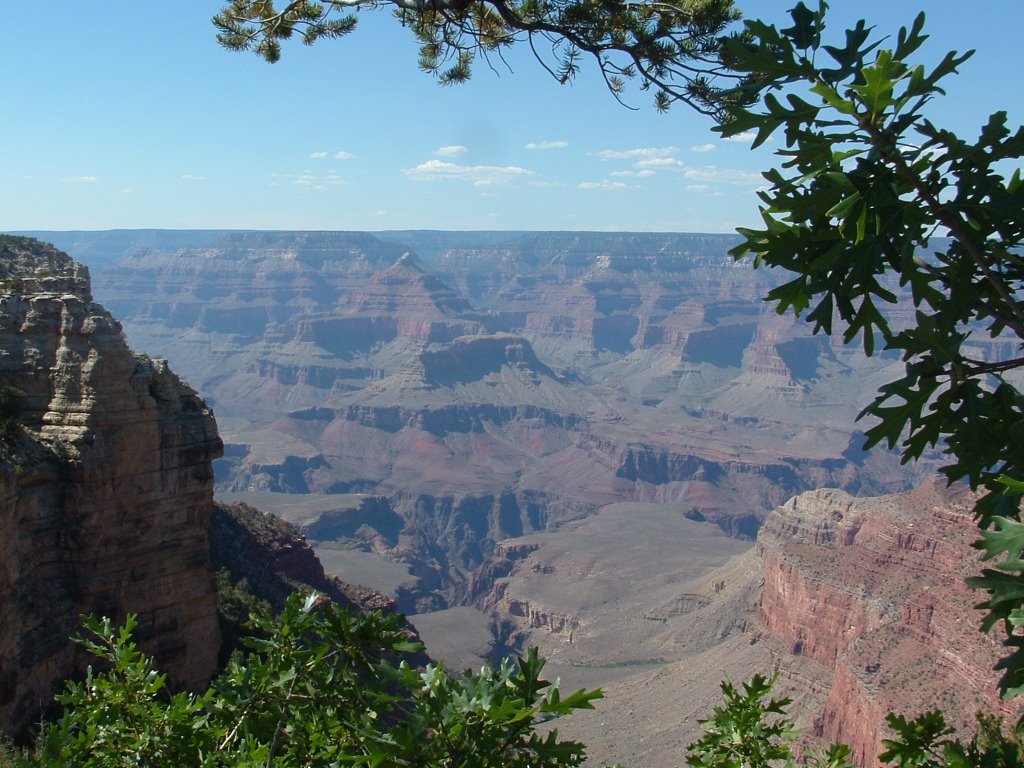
711, 173
640, 153
702, 148
698, 187
451, 150
340, 155
190, 177
547, 145
666, 163
127, 191
479, 175
745, 136
309, 180
641, 174
602, 185
80, 179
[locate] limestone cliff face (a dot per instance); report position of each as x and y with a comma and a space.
105, 487
873, 589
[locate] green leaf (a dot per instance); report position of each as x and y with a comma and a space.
806, 30
1007, 538
832, 98
1013, 487
879, 81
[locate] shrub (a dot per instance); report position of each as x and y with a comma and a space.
318, 686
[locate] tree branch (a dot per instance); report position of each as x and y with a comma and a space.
956, 229
671, 46
978, 367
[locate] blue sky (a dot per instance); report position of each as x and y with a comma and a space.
126, 115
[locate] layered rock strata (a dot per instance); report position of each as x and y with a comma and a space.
858, 604
636, 343
873, 590
106, 487
572, 369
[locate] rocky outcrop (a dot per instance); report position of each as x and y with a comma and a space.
471, 358
453, 419
857, 604
266, 557
105, 487
873, 590
267, 553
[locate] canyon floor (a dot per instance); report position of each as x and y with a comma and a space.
654, 608
570, 440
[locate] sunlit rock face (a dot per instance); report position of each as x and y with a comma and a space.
105, 487
857, 604
873, 590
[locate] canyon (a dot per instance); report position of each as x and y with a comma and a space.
572, 440
491, 384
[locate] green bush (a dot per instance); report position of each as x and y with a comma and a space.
751, 730
318, 686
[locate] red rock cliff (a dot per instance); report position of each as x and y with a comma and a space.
873, 589
106, 487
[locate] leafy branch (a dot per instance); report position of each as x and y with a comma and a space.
319, 686
866, 182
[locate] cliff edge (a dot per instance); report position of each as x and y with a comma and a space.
106, 487
872, 589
